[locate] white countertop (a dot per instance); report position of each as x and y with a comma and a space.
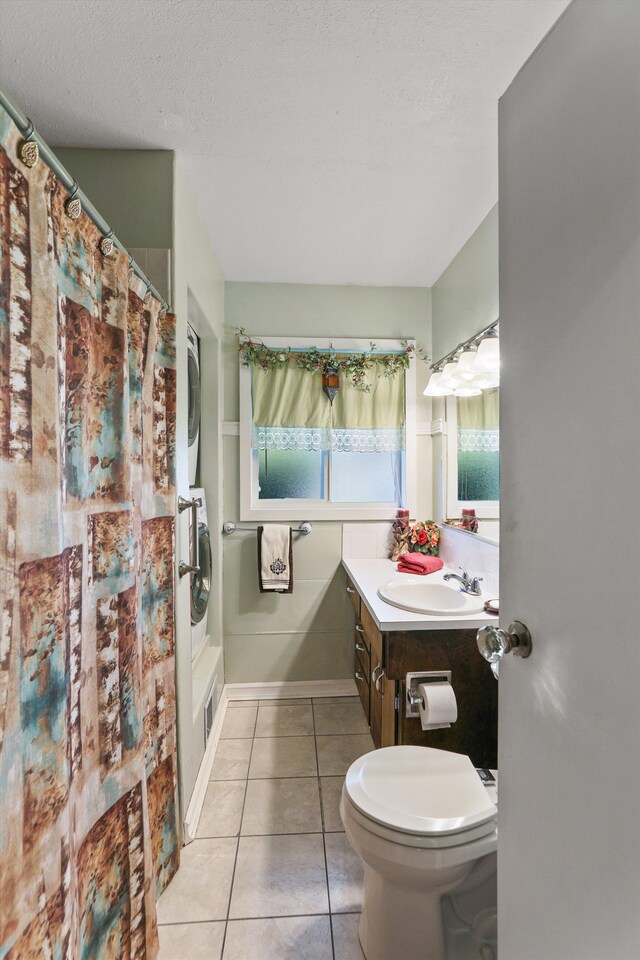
367, 575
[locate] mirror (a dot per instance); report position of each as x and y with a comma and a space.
473, 464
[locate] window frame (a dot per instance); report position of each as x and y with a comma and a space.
251, 508
485, 509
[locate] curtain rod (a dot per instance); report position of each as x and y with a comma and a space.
466, 343
28, 131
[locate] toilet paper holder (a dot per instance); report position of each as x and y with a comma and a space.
413, 681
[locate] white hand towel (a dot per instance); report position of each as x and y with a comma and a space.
275, 558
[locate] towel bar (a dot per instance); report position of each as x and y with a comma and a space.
230, 527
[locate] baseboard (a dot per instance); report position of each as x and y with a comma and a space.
192, 818
290, 688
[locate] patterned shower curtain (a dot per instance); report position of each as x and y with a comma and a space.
88, 812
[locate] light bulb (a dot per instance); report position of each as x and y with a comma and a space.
466, 365
449, 376
488, 356
436, 388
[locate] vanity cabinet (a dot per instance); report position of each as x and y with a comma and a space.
382, 713
382, 661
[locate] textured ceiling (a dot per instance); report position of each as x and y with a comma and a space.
325, 141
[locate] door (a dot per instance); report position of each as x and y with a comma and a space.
569, 715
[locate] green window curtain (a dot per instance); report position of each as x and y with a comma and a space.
479, 447
290, 397
380, 408
479, 413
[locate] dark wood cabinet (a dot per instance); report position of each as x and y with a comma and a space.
381, 662
382, 715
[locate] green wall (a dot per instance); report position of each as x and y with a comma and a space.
307, 635
132, 189
465, 296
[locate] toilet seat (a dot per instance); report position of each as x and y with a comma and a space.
419, 796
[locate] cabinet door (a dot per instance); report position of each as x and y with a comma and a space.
361, 677
382, 690
354, 596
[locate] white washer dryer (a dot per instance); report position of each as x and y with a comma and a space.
200, 582
193, 372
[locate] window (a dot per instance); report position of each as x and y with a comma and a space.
304, 458
474, 454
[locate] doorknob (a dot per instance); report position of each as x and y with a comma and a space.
493, 642
185, 568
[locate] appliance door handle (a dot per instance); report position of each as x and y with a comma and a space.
193, 504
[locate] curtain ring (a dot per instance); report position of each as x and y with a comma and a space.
73, 206
28, 151
163, 312
106, 244
147, 296
130, 270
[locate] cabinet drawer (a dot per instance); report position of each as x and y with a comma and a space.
373, 637
362, 638
363, 655
354, 596
361, 678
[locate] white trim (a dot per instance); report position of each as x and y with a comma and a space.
251, 509
432, 429
285, 689
192, 816
230, 428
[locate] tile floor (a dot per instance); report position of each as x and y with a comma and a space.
271, 873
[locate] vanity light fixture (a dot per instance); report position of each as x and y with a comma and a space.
466, 364
435, 387
449, 375
468, 390
488, 356
472, 367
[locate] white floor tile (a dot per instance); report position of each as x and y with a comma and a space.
339, 718
191, 941
294, 721
279, 876
336, 754
239, 723
345, 936
231, 761
282, 806
279, 938
346, 873
283, 757
331, 791
222, 809
201, 887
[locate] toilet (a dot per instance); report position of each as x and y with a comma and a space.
425, 826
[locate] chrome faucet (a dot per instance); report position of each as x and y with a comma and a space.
468, 584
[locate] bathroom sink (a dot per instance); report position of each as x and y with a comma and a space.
439, 599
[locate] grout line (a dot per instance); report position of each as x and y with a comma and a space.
324, 845
235, 862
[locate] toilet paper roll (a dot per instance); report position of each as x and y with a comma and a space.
438, 707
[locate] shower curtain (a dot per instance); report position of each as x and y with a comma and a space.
88, 812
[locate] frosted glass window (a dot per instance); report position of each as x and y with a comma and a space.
479, 447
367, 477
291, 475
478, 475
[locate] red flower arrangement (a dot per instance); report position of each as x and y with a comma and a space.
424, 537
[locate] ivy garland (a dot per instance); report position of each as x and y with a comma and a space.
356, 365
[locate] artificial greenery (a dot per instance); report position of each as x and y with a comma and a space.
356, 365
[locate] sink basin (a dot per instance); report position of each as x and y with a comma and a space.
439, 599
